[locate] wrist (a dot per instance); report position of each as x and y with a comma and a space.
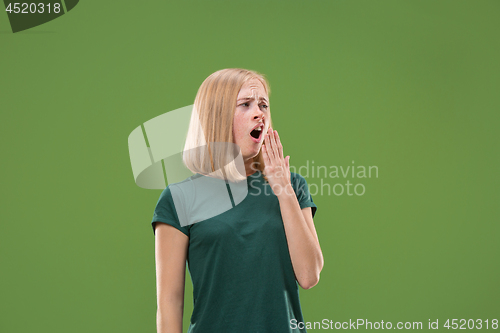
284, 191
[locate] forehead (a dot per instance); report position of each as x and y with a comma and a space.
252, 87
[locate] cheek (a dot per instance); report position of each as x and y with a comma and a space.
237, 133
237, 127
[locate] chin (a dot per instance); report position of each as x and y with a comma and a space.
251, 154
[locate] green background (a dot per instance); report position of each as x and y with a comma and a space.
408, 86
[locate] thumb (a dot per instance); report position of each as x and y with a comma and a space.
287, 161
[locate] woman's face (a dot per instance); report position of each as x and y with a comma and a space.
251, 118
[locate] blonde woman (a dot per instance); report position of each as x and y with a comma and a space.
247, 261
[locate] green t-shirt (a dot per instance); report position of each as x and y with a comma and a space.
240, 266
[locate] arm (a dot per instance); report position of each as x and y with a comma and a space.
303, 244
170, 254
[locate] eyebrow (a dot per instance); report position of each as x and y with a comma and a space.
248, 98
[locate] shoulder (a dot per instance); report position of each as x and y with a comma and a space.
176, 197
171, 208
165, 204
176, 190
299, 184
301, 189
166, 195
297, 180
297, 176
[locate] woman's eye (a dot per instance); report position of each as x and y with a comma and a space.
245, 104
264, 106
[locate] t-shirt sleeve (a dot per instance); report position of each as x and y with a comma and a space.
301, 189
165, 212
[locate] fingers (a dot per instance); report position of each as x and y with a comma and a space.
278, 144
273, 148
270, 144
265, 155
277, 167
274, 144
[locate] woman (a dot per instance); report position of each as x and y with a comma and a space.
245, 262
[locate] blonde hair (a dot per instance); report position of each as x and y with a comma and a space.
211, 127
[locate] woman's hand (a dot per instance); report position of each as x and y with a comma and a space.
302, 240
277, 168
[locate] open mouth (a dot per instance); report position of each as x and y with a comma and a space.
257, 132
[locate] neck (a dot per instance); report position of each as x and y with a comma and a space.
249, 169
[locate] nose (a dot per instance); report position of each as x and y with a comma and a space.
259, 117
258, 114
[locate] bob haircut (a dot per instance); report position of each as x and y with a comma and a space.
210, 147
